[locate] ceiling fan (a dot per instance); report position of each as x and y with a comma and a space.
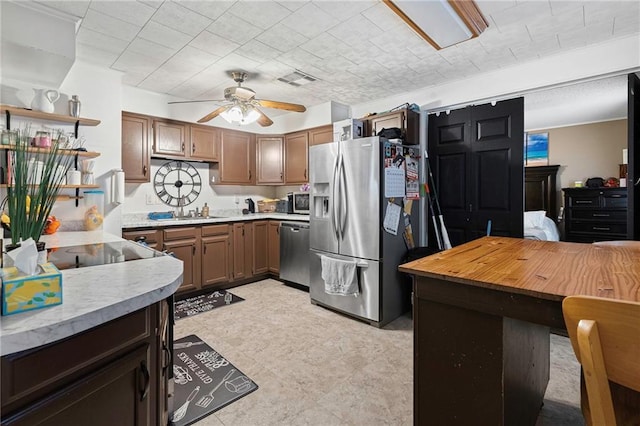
243, 106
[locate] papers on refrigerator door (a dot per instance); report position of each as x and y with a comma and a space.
392, 218
394, 185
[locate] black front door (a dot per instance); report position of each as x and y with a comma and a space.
477, 159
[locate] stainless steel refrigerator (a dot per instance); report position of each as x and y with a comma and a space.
347, 211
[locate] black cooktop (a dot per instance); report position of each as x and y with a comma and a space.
98, 254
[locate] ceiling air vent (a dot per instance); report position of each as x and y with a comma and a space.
297, 79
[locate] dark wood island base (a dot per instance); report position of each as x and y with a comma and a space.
113, 374
482, 315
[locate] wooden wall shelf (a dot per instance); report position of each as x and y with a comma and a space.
23, 112
87, 154
4, 185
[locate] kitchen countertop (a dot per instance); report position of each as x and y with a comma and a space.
140, 220
92, 295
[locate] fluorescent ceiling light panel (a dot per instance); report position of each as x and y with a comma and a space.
442, 23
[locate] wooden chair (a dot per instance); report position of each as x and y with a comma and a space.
619, 243
605, 335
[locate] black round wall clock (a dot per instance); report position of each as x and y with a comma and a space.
177, 183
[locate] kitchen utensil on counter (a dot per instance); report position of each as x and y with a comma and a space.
252, 205
206, 400
180, 412
44, 99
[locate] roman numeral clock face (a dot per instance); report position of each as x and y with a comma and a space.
177, 183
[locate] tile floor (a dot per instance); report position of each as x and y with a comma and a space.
316, 367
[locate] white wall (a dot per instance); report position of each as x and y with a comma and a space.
99, 91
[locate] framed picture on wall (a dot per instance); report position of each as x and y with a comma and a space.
536, 150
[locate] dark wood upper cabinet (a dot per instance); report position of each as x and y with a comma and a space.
269, 160
135, 148
205, 143
320, 135
406, 120
237, 157
169, 137
296, 149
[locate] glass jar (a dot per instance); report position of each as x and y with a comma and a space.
94, 210
42, 139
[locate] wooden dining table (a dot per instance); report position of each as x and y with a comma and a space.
483, 312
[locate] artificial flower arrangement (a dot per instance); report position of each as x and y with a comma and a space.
35, 176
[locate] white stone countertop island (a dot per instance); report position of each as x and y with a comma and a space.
91, 295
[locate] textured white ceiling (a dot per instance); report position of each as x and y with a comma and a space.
358, 50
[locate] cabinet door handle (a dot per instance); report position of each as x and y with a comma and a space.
147, 382
193, 148
193, 250
144, 170
305, 173
584, 202
601, 228
204, 249
600, 215
249, 174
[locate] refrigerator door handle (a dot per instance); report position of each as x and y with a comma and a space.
343, 198
334, 198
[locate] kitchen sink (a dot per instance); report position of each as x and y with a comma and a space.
177, 219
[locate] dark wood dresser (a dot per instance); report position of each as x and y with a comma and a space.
595, 214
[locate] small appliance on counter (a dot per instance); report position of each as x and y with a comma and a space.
300, 202
251, 205
282, 206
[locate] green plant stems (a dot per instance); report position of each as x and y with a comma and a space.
42, 186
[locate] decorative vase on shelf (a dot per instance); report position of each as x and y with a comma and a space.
44, 99
74, 106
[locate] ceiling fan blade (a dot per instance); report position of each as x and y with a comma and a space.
281, 105
212, 115
264, 121
191, 102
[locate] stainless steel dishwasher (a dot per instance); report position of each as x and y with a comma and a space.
294, 252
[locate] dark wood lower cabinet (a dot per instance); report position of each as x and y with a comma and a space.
113, 374
218, 255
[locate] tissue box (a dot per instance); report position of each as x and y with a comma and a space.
22, 293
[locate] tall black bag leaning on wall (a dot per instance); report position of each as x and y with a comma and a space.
438, 223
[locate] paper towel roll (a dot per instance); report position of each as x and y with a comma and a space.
118, 186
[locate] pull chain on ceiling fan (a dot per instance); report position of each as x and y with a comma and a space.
243, 107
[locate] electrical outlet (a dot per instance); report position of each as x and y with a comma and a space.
150, 199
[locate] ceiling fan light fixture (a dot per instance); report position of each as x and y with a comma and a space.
250, 116
234, 114
442, 23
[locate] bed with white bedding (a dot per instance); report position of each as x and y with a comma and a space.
537, 226
540, 203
